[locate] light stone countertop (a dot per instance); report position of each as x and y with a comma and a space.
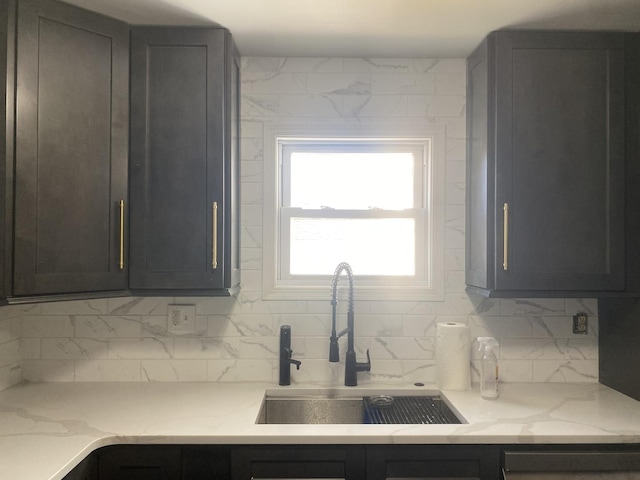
47, 429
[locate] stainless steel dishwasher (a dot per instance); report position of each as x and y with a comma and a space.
572, 465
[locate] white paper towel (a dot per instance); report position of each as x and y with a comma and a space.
453, 356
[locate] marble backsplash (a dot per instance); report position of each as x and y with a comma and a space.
236, 339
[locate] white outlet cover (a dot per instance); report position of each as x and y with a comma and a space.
181, 319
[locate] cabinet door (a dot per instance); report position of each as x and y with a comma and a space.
298, 462
559, 130
141, 462
181, 158
391, 462
71, 150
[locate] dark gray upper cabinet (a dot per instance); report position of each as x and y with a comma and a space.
7, 103
546, 164
184, 161
71, 150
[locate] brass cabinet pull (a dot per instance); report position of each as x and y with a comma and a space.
121, 264
214, 249
505, 263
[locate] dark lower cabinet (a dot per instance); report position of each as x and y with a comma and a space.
86, 470
349, 462
71, 150
299, 462
142, 462
477, 462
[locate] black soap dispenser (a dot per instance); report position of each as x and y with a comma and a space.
285, 356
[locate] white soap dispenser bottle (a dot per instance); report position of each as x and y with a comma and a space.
488, 368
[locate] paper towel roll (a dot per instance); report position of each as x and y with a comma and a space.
453, 356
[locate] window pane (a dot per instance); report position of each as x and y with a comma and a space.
382, 246
352, 180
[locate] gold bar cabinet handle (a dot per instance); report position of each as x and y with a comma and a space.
505, 263
121, 264
214, 248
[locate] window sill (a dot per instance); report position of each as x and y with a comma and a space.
362, 292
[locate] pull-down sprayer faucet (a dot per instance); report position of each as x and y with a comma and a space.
352, 367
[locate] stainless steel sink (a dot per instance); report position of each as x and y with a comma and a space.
312, 410
336, 409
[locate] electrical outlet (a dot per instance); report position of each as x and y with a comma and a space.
581, 323
181, 319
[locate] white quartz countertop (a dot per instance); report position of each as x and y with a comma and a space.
47, 429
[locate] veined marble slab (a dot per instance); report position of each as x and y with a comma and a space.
47, 429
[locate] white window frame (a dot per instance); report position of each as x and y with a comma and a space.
429, 258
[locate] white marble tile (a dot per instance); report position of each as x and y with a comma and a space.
10, 375
310, 324
73, 348
251, 194
582, 349
47, 326
9, 353
253, 127
272, 83
207, 348
253, 370
251, 237
78, 307
242, 325
440, 65
174, 370
379, 326
338, 84
454, 236
532, 306
140, 348
532, 349
424, 326
565, 371
403, 348
437, 106
455, 171
576, 305
260, 347
451, 84
260, 106
454, 259
454, 216
311, 64
260, 64
30, 348
48, 370
403, 83
108, 326
501, 326
252, 150
320, 105
419, 371
251, 215
389, 65
390, 371
361, 106
107, 371
126, 306
510, 370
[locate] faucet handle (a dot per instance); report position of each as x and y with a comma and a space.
364, 366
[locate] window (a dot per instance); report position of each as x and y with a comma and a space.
369, 200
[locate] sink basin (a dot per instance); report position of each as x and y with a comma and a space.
336, 409
312, 409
